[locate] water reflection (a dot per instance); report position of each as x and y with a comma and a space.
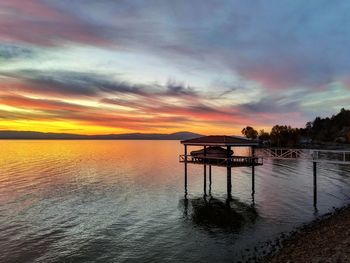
112, 201
211, 212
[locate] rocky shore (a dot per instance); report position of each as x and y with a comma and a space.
324, 240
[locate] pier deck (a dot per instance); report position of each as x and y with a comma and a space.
233, 161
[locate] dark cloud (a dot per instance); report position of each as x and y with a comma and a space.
176, 89
275, 43
68, 83
8, 51
271, 105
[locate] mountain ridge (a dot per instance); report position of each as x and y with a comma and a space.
32, 135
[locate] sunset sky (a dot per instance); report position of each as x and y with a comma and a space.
212, 67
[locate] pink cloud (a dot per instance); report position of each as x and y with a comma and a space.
33, 22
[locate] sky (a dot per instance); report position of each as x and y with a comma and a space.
212, 67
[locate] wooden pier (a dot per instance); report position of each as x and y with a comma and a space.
282, 153
255, 159
331, 156
229, 161
327, 156
315, 156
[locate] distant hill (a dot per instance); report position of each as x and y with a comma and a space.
29, 135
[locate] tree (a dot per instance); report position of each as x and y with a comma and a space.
284, 136
308, 130
331, 129
264, 136
249, 132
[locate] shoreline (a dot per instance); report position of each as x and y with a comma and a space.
326, 239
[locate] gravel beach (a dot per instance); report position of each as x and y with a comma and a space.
324, 240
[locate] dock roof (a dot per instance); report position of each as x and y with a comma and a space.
220, 140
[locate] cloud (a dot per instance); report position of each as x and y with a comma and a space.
110, 102
278, 45
271, 105
57, 94
68, 83
33, 22
8, 52
262, 50
177, 89
19, 101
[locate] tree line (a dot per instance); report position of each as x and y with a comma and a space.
321, 130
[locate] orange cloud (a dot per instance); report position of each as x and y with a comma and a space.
93, 103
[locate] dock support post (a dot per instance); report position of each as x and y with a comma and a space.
253, 179
210, 179
205, 180
253, 171
185, 170
315, 183
229, 183
205, 172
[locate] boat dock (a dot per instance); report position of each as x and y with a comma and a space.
225, 158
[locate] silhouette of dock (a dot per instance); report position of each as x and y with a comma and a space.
217, 151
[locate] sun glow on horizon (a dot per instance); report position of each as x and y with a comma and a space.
162, 69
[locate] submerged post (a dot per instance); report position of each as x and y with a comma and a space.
185, 170
229, 184
315, 183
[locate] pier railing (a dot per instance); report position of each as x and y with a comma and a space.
222, 161
331, 156
283, 153
314, 155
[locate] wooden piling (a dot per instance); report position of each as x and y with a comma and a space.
229, 183
205, 172
253, 171
209, 179
185, 170
253, 179
315, 182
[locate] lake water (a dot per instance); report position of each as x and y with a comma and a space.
123, 201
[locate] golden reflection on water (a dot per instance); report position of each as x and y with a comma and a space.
45, 166
75, 200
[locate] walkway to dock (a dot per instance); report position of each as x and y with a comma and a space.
331, 156
282, 153
314, 155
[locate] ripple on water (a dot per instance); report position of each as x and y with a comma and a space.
112, 201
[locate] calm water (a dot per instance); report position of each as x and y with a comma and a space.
122, 201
